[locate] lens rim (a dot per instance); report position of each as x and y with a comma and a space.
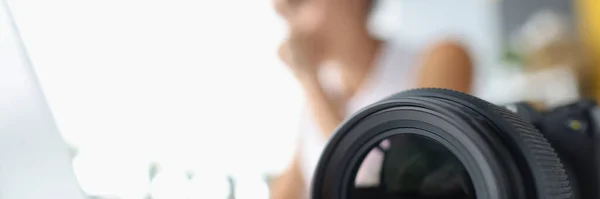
535, 169
478, 159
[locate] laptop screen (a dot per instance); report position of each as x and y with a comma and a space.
34, 160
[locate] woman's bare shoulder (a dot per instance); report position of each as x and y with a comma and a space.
446, 64
448, 48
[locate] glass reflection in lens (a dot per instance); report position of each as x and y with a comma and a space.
411, 166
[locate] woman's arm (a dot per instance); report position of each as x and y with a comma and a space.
290, 184
326, 112
298, 54
446, 65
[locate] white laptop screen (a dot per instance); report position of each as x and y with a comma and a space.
34, 161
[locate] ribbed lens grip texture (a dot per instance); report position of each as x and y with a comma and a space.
554, 182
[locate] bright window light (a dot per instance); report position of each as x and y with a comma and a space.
195, 85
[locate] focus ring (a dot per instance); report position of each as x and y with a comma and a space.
551, 178
557, 184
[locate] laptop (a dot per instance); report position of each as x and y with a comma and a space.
34, 160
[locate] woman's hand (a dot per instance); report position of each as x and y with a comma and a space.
303, 54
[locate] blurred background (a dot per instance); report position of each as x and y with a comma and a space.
153, 105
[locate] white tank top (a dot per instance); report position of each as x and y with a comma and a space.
393, 72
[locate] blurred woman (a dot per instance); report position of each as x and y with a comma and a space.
333, 34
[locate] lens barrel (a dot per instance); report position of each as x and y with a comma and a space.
504, 156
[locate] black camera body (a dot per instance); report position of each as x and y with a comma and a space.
574, 131
511, 152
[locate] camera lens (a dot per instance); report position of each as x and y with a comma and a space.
433, 143
412, 166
